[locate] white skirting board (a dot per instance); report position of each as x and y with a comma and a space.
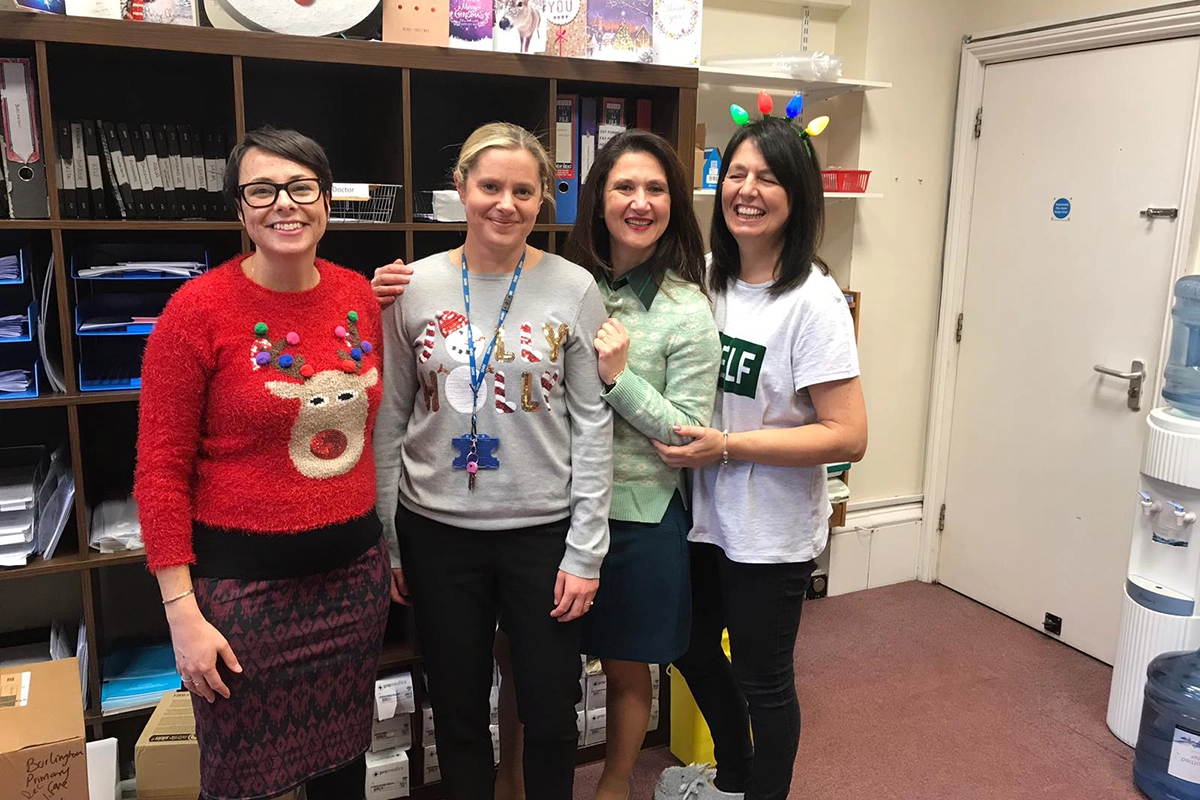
876, 547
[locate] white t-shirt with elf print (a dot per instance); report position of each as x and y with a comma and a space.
773, 349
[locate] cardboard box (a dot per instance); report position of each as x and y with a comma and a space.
392, 733
433, 768
167, 757
43, 752
387, 775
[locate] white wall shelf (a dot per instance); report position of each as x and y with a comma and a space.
828, 195
813, 91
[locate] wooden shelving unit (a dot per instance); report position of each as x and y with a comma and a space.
385, 114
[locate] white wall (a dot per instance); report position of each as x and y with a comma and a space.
889, 249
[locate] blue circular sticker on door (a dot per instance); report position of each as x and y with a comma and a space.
1062, 208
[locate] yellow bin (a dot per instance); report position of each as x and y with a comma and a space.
691, 740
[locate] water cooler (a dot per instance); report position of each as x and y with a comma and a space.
1160, 612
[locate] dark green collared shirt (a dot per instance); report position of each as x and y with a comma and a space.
640, 280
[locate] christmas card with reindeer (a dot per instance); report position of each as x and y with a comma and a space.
621, 30
677, 32
471, 24
406, 23
520, 26
566, 31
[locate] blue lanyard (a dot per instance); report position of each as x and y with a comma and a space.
478, 374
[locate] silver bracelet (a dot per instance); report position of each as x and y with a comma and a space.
725, 451
178, 597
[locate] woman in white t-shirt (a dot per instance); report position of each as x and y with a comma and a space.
789, 402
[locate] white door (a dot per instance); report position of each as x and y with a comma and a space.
1044, 452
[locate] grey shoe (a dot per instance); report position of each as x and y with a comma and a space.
693, 782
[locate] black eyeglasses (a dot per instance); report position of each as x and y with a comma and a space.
262, 194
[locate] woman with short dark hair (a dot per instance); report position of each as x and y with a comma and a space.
255, 487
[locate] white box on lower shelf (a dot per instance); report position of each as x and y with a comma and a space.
392, 734
433, 769
387, 775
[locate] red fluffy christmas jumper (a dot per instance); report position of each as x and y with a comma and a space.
257, 409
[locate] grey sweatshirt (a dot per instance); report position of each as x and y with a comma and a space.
541, 398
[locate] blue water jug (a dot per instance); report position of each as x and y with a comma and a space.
1182, 387
1166, 764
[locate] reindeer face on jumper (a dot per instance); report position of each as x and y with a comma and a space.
330, 430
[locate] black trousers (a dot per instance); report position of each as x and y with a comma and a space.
463, 583
760, 605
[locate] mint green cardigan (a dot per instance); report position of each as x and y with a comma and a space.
670, 379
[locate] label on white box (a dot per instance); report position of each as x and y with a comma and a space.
387, 775
427, 729
392, 733
393, 695
597, 726
433, 769
597, 691
581, 724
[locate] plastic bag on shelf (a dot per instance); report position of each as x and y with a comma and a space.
805, 65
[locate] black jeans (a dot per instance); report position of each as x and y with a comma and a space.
462, 583
760, 605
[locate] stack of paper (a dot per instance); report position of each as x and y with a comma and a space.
15, 381
53, 368
17, 509
180, 269
115, 526
54, 501
10, 268
138, 677
12, 326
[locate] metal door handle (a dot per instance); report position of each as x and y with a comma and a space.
1136, 377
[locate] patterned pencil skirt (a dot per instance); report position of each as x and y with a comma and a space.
302, 706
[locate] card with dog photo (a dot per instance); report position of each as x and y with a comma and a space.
566, 32
471, 24
520, 26
621, 30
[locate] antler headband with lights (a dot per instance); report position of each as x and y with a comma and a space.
794, 107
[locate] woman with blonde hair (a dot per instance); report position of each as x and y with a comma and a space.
494, 462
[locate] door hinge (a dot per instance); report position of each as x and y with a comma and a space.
979, 122
958, 329
942, 519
